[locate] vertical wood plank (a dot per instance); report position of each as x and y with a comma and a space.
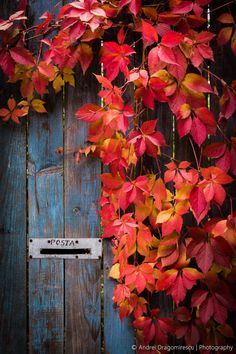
82, 190
12, 239
13, 338
118, 335
45, 201
45, 198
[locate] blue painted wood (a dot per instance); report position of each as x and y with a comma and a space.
82, 189
12, 239
45, 201
13, 338
118, 335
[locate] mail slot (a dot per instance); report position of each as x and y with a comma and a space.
81, 248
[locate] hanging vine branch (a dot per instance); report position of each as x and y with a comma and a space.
143, 212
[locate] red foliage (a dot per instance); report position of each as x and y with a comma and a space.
143, 207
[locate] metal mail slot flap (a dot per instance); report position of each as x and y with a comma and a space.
66, 248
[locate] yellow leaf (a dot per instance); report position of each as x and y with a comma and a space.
184, 192
115, 271
38, 106
58, 83
164, 216
68, 76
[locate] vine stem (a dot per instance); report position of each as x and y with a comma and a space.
215, 76
194, 153
219, 7
231, 206
158, 166
223, 134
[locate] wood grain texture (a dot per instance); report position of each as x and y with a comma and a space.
45, 202
45, 191
13, 338
118, 335
12, 239
82, 190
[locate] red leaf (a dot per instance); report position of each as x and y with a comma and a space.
7, 64
115, 58
154, 61
204, 37
134, 5
222, 251
166, 54
46, 69
178, 290
206, 310
214, 150
84, 54
205, 257
182, 314
198, 203
196, 83
220, 311
216, 175
171, 39
198, 297
227, 102
22, 56
198, 131
89, 112
184, 126
110, 181
40, 82
178, 71
192, 336
205, 116
225, 161
183, 8
149, 33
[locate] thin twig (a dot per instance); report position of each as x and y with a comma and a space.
219, 7
194, 153
223, 134
217, 77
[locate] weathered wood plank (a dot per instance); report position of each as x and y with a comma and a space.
118, 335
13, 310
46, 277
13, 239
45, 202
82, 190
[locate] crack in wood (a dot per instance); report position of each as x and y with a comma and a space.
51, 170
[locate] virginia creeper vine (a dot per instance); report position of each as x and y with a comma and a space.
162, 217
